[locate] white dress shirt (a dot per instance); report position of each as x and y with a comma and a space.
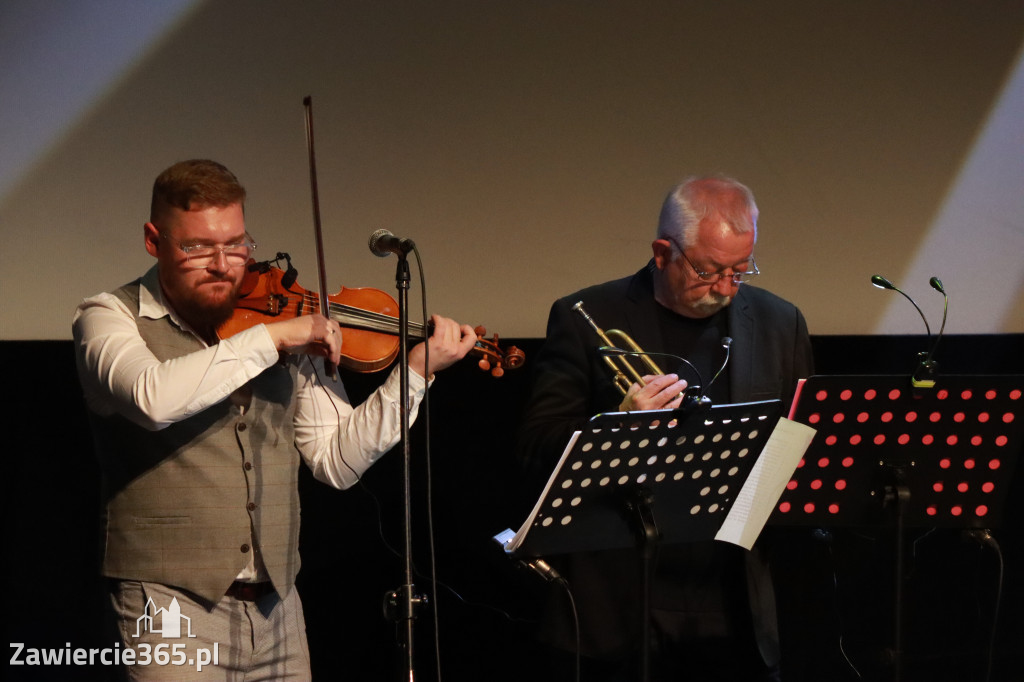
120, 375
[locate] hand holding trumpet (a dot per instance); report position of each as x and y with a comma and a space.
658, 391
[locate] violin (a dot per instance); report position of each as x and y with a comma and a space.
369, 317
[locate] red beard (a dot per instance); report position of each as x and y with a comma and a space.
206, 314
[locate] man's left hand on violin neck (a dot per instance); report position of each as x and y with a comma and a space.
449, 343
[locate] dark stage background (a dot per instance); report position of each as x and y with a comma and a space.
835, 589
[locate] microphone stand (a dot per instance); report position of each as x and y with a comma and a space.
400, 605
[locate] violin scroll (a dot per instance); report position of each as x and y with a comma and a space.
492, 358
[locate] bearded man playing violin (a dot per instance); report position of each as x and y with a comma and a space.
200, 439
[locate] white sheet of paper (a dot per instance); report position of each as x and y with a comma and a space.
513, 544
763, 488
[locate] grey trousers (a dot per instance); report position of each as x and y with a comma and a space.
172, 636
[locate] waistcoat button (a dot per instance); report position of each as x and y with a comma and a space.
248, 466
241, 427
251, 506
245, 549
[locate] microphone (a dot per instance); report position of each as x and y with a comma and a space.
382, 243
727, 345
614, 352
924, 374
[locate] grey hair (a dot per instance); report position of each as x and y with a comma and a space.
697, 199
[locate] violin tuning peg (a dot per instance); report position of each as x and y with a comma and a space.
498, 371
480, 331
484, 364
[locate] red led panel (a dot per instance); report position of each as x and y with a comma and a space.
953, 446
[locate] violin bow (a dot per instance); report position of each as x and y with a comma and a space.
325, 305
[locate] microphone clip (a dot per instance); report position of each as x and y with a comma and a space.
924, 375
694, 401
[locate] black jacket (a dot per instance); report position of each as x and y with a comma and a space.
770, 351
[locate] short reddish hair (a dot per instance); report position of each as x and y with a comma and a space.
197, 183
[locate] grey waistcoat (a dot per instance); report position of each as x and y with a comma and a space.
185, 505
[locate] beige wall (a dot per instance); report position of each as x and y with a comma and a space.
526, 146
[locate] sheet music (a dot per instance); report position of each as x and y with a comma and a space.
767, 481
513, 544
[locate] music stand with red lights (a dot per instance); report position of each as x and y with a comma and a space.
921, 457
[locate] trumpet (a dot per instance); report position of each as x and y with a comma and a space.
624, 374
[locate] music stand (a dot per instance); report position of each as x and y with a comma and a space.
636, 479
922, 457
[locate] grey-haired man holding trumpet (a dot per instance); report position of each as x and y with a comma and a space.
713, 608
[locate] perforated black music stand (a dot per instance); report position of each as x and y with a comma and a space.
636, 479
889, 453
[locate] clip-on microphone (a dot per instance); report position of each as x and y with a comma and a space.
695, 396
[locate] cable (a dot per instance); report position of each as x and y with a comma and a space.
827, 538
995, 614
575, 621
984, 538
337, 432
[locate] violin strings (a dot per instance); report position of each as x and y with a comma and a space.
383, 322
369, 319
376, 321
